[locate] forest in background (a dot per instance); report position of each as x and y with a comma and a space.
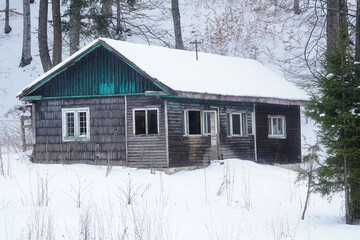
315, 44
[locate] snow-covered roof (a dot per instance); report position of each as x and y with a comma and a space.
214, 74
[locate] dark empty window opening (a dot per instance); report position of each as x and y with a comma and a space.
146, 122
194, 122
236, 124
140, 127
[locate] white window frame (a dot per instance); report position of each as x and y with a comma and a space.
77, 136
202, 132
186, 122
146, 122
271, 134
202, 119
241, 122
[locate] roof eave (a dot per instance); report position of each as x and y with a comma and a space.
77, 56
47, 77
233, 98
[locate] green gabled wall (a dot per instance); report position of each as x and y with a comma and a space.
99, 72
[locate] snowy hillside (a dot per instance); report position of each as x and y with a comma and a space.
260, 30
231, 199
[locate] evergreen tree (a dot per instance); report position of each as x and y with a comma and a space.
334, 105
308, 173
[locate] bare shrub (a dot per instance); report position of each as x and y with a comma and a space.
280, 229
227, 185
77, 193
43, 194
206, 190
40, 225
246, 191
129, 192
5, 165
10, 129
163, 197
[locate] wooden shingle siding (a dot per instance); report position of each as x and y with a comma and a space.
236, 146
99, 73
107, 132
272, 150
197, 150
146, 151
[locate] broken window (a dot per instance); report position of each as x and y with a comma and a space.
76, 124
276, 127
145, 121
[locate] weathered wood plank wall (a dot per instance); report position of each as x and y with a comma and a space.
237, 146
107, 132
272, 150
196, 150
146, 151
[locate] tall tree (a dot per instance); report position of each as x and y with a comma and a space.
57, 41
177, 24
26, 49
334, 106
119, 28
297, 7
355, 174
43, 37
74, 25
7, 28
336, 23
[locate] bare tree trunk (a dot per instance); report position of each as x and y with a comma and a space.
357, 36
106, 7
307, 192
177, 24
74, 25
7, 28
343, 21
332, 24
42, 35
26, 49
348, 215
57, 46
106, 11
297, 10
119, 28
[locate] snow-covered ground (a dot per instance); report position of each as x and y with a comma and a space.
232, 199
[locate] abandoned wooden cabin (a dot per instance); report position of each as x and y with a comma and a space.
144, 106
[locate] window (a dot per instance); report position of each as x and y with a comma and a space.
209, 122
200, 122
192, 122
76, 124
276, 127
238, 124
145, 121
